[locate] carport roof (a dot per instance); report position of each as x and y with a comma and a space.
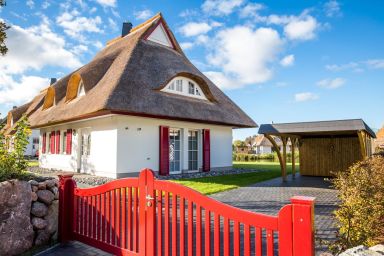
336, 127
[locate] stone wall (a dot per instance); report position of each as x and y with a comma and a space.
28, 215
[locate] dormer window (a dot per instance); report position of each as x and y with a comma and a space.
184, 86
49, 99
81, 91
75, 87
191, 88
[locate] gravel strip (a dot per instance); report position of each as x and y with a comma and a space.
86, 180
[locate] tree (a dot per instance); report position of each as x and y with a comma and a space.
3, 35
12, 162
239, 143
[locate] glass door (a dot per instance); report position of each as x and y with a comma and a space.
192, 150
174, 150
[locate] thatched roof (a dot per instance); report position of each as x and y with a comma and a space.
14, 115
126, 78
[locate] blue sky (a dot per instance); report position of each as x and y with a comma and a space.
280, 61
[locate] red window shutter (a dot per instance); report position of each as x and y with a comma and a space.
52, 142
44, 146
164, 150
206, 150
69, 142
57, 142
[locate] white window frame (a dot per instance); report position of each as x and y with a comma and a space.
81, 89
180, 150
181, 86
197, 150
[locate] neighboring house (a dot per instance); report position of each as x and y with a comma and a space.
261, 145
378, 143
9, 128
140, 103
246, 149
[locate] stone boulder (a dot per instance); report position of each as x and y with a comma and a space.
39, 223
39, 209
45, 196
42, 237
52, 219
16, 231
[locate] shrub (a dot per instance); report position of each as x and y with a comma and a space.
361, 212
12, 162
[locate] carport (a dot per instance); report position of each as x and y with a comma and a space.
325, 147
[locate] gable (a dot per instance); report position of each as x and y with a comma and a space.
160, 36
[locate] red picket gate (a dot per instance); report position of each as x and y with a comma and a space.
144, 216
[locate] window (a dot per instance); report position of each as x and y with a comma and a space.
86, 144
179, 85
192, 150
81, 91
184, 86
172, 86
49, 146
191, 88
64, 143
35, 140
174, 150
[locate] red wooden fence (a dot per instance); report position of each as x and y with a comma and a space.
144, 216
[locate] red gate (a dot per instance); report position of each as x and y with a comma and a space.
144, 216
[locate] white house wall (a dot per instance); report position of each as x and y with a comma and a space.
102, 160
138, 144
123, 145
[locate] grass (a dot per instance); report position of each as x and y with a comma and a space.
211, 185
33, 163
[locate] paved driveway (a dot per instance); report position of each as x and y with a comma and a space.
269, 196
264, 197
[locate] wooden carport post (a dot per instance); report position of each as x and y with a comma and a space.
293, 145
363, 144
281, 160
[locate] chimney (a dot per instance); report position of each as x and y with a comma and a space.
14, 107
127, 26
53, 80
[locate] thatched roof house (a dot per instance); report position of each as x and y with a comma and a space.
127, 76
141, 81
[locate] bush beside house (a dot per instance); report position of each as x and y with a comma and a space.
361, 212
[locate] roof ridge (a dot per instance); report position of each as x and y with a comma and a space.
322, 121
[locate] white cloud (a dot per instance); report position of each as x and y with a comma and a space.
21, 91
250, 10
186, 45
195, 28
335, 67
30, 4
44, 48
288, 60
332, 8
301, 28
375, 63
75, 25
45, 4
98, 44
305, 96
112, 24
243, 55
220, 7
221, 80
331, 83
107, 3
79, 49
143, 14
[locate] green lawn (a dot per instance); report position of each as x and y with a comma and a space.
33, 163
211, 185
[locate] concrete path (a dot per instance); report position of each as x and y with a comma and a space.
264, 197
